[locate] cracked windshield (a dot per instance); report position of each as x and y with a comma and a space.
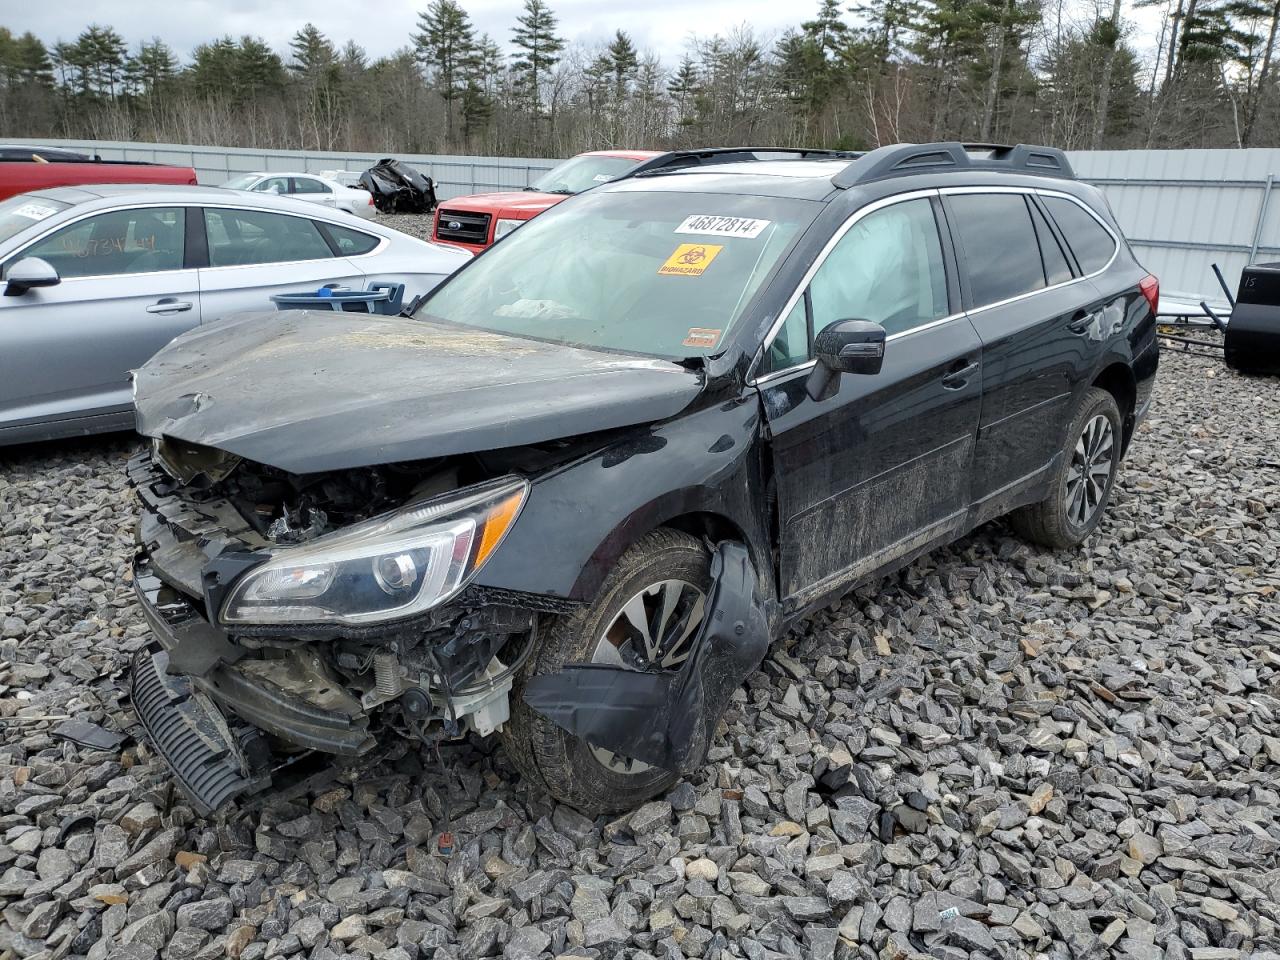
661, 274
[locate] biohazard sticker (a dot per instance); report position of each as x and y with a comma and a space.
701, 337
690, 260
713, 226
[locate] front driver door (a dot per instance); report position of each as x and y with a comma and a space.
123, 295
881, 468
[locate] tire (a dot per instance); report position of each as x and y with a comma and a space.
564, 766
1073, 511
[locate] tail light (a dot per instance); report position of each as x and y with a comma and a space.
371, 199
1150, 287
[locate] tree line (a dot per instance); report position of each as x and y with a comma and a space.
851, 77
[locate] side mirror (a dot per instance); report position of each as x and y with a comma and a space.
846, 346
27, 273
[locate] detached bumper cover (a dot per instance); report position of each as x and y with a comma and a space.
667, 719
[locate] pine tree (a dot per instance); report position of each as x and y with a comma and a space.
154, 66
445, 41
683, 87
312, 51
623, 62
534, 37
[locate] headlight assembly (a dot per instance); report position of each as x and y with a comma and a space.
394, 565
504, 226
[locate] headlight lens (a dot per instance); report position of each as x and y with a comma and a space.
395, 565
504, 227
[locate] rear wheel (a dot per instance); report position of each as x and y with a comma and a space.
1083, 479
645, 617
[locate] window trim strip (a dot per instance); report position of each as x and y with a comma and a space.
880, 204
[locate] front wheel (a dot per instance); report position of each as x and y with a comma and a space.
645, 617
1083, 480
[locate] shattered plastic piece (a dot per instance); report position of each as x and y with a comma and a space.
90, 735
667, 719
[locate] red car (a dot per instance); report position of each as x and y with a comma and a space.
23, 169
475, 222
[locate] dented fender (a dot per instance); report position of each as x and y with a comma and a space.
595, 508
667, 719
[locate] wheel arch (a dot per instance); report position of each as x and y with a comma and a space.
1117, 379
683, 510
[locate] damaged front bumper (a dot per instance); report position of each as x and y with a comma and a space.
217, 702
291, 696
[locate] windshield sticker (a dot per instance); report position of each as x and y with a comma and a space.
701, 337
602, 178
723, 226
35, 211
690, 260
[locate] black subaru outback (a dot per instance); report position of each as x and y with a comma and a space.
575, 494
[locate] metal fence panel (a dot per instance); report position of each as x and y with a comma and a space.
454, 176
1182, 210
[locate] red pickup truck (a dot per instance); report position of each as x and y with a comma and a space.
23, 169
475, 222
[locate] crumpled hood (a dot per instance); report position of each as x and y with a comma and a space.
307, 391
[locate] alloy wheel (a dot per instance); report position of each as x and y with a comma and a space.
653, 631
1090, 470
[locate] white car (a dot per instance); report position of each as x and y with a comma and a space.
98, 278
314, 188
348, 178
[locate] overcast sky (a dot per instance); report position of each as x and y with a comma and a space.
383, 26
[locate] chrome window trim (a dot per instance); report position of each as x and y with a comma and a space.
85, 215
383, 241
914, 195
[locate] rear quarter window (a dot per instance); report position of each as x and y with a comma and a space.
1088, 239
350, 243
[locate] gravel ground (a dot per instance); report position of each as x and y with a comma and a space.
1060, 755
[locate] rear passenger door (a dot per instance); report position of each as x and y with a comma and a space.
1031, 312
308, 188
256, 253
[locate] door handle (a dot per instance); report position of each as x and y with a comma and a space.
958, 376
1081, 322
170, 305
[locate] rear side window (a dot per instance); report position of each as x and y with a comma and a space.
1088, 240
239, 237
307, 185
999, 245
350, 243
1056, 268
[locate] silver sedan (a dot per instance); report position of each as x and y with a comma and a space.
97, 279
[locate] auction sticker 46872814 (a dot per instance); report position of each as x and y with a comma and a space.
715, 226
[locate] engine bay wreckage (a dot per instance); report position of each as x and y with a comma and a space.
311, 546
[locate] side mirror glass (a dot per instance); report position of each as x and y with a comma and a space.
27, 273
845, 346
